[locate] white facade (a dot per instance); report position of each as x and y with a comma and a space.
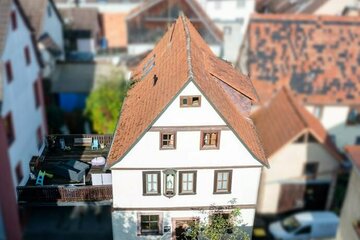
293, 158
146, 155
334, 120
232, 17
19, 97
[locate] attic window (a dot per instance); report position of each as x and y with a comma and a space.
353, 116
148, 66
210, 140
190, 101
13, 20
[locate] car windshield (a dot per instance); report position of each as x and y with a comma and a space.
290, 224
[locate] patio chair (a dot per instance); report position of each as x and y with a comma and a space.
95, 144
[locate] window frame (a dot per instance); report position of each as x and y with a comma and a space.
160, 224
190, 101
162, 147
27, 55
13, 17
202, 138
144, 174
9, 71
9, 128
312, 176
229, 184
194, 183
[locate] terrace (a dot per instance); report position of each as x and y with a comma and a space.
72, 171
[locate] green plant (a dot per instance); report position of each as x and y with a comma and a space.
104, 103
219, 223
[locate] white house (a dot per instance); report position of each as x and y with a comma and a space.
304, 161
184, 140
316, 57
349, 227
47, 25
232, 17
21, 102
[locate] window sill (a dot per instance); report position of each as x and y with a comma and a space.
221, 192
193, 193
168, 148
151, 194
209, 148
150, 234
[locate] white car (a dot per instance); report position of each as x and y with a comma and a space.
306, 225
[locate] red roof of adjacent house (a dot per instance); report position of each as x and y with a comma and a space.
283, 120
114, 27
179, 57
317, 57
354, 153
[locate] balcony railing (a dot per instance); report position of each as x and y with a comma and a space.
48, 194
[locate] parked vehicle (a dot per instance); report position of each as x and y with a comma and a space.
306, 225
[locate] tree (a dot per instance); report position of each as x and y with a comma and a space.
219, 223
104, 103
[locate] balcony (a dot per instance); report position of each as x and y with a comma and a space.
62, 194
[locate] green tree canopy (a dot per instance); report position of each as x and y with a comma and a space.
104, 103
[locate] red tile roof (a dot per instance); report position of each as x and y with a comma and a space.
283, 120
354, 153
318, 57
179, 57
114, 27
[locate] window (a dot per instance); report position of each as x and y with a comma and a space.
227, 30
190, 101
9, 128
311, 169
357, 141
305, 230
9, 72
240, 3
149, 224
318, 111
353, 116
39, 137
19, 172
37, 93
187, 182
167, 140
151, 183
222, 181
13, 20
49, 10
27, 55
169, 182
210, 139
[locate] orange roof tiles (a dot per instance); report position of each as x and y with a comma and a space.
317, 57
115, 31
283, 119
180, 57
354, 154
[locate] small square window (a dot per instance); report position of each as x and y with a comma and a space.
353, 116
9, 128
19, 173
167, 140
13, 20
222, 181
151, 183
149, 224
311, 169
190, 101
27, 55
210, 139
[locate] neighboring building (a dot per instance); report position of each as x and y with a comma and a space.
184, 140
114, 31
317, 7
317, 57
103, 5
147, 23
22, 107
48, 30
73, 82
82, 32
349, 228
232, 17
303, 148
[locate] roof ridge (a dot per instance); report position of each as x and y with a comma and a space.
295, 106
188, 47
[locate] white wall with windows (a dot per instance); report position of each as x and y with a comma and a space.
19, 97
335, 120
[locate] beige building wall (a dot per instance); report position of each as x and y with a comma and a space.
287, 165
351, 209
